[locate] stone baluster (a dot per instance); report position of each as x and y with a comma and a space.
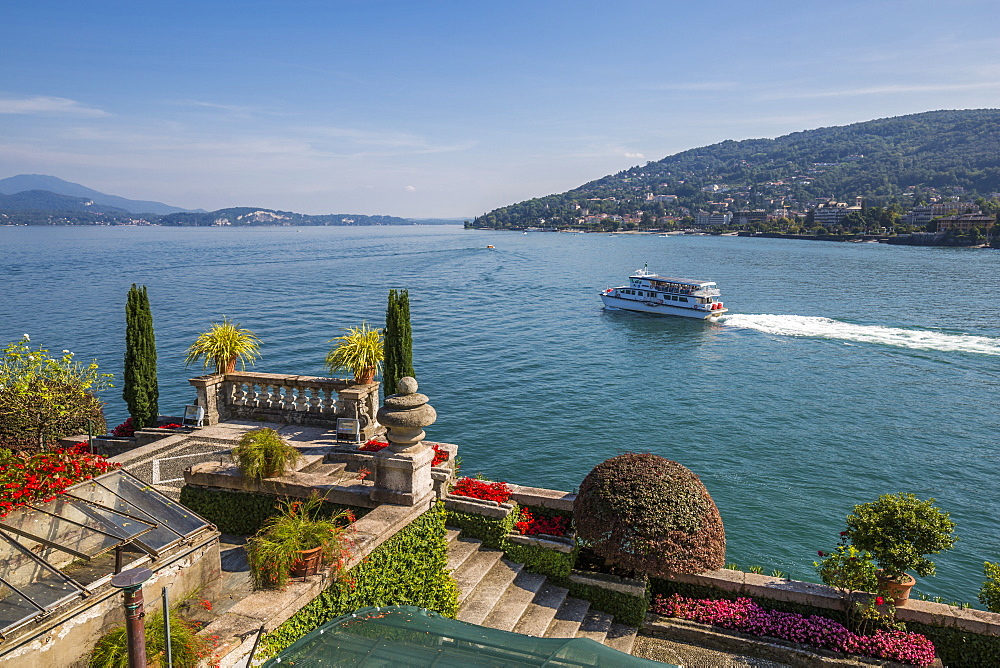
288, 402
315, 402
403, 470
239, 394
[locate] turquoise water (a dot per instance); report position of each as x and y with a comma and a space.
843, 372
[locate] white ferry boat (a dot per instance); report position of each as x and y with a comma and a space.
650, 293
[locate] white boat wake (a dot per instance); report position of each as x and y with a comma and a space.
827, 328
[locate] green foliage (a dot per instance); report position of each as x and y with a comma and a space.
242, 513
262, 453
989, 595
899, 529
187, 648
408, 569
848, 570
298, 526
960, 648
358, 350
491, 530
43, 398
398, 341
626, 608
140, 389
552, 563
650, 515
224, 345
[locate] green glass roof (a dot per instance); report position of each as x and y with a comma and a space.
409, 637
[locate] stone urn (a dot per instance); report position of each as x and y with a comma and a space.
403, 469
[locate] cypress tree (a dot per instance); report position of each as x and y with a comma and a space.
140, 390
398, 341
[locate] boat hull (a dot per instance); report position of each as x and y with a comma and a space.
660, 309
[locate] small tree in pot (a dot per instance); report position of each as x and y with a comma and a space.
900, 530
296, 541
262, 453
359, 351
224, 345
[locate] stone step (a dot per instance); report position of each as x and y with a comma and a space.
621, 637
460, 550
568, 618
328, 469
543, 607
595, 625
451, 535
514, 601
474, 569
307, 463
491, 588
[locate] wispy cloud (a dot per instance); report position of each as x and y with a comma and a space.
892, 89
628, 154
411, 189
43, 105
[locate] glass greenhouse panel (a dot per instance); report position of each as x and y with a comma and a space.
95, 517
150, 501
24, 577
157, 539
58, 532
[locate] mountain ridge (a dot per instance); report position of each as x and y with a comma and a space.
30, 182
947, 152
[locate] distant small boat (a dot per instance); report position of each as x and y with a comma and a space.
491, 247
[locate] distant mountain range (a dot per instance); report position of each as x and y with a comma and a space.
36, 199
40, 182
887, 161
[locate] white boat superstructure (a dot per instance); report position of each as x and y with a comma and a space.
651, 293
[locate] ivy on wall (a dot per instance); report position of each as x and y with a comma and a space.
411, 568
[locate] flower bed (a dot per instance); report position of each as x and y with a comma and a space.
531, 524
374, 445
172, 425
40, 477
746, 616
124, 429
482, 489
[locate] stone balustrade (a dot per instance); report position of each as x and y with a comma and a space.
311, 400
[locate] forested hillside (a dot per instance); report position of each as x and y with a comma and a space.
887, 161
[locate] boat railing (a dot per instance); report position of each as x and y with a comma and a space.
707, 292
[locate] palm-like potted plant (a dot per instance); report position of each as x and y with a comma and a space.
224, 344
359, 351
262, 453
295, 542
900, 530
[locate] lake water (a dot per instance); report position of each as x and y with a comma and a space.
844, 371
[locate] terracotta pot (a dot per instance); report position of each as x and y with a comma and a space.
231, 366
899, 592
365, 376
308, 563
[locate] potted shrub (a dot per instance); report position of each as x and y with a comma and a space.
900, 530
359, 351
223, 345
262, 453
295, 542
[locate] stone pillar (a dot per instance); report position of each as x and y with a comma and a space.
403, 470
209, 390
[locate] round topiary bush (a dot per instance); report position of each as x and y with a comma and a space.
649, 514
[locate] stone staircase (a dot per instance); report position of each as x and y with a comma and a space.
496, 593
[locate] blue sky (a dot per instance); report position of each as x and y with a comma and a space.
450, 109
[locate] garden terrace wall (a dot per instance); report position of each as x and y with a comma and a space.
398, 555
962, 637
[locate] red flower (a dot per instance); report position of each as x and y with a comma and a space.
879, 600
820, 553
482, 489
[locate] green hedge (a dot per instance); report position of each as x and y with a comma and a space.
955, 647
411, 568
241, 513
627, 609
491, 530
554, 564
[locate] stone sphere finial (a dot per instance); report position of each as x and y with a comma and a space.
405, 415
